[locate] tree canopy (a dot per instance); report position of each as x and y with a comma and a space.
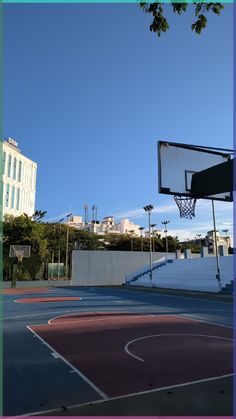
48, 243
160, 23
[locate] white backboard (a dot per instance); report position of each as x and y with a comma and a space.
178, 162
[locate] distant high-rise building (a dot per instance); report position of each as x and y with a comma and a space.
19, 181
220, 240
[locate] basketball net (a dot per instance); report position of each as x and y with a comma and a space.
19, 254
186, 206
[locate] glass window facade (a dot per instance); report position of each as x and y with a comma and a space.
18, 199
9, 166
13, 197
20, 171
14, 168
7, 195
4, 162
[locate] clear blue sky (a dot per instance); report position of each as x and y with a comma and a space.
88, 91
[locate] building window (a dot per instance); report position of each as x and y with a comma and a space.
9, 166
14, 168
4, 162
18, 199
13, 197
20, 171
7, 195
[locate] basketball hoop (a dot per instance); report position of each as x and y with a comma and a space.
19, 254
186, 206
18, 251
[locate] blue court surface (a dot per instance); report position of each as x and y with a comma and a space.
41, 379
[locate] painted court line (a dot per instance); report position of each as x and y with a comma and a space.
38, 413
165, 334
90, 383
180, 296
201, 321
114, 317
39, 314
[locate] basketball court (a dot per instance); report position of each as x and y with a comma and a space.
93, 347
95, 351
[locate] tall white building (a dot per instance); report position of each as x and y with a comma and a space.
19, 181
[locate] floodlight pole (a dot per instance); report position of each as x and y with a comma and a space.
216, 247
67, 243
59, 250
148, 209
165, 231
131, 240
141, 230
153, 225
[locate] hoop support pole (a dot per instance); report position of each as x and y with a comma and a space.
216, 247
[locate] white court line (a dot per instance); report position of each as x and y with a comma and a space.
201, 321
182, 296
112, 316
140, 393
39, 314
186, 309
90, 383
166, 334
19, 300
55, 355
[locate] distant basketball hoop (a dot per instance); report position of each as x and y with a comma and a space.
19, 252
186, 206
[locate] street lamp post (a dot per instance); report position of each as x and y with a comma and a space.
148, 209
131, 241
152, 226
59, 250
67, 243
199, 239
165, 231
141, 229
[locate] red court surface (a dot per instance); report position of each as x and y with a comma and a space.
46, 299
129, 353
25, 290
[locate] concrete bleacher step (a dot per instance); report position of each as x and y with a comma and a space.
228, 289
193, 274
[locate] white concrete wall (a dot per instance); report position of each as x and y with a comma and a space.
37, 284
107, 268
191, 274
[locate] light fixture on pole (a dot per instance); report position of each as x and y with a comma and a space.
165, 231
67, 243
148, 209
141, 230
152, 226
198, 236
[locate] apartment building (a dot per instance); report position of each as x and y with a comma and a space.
19, 180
